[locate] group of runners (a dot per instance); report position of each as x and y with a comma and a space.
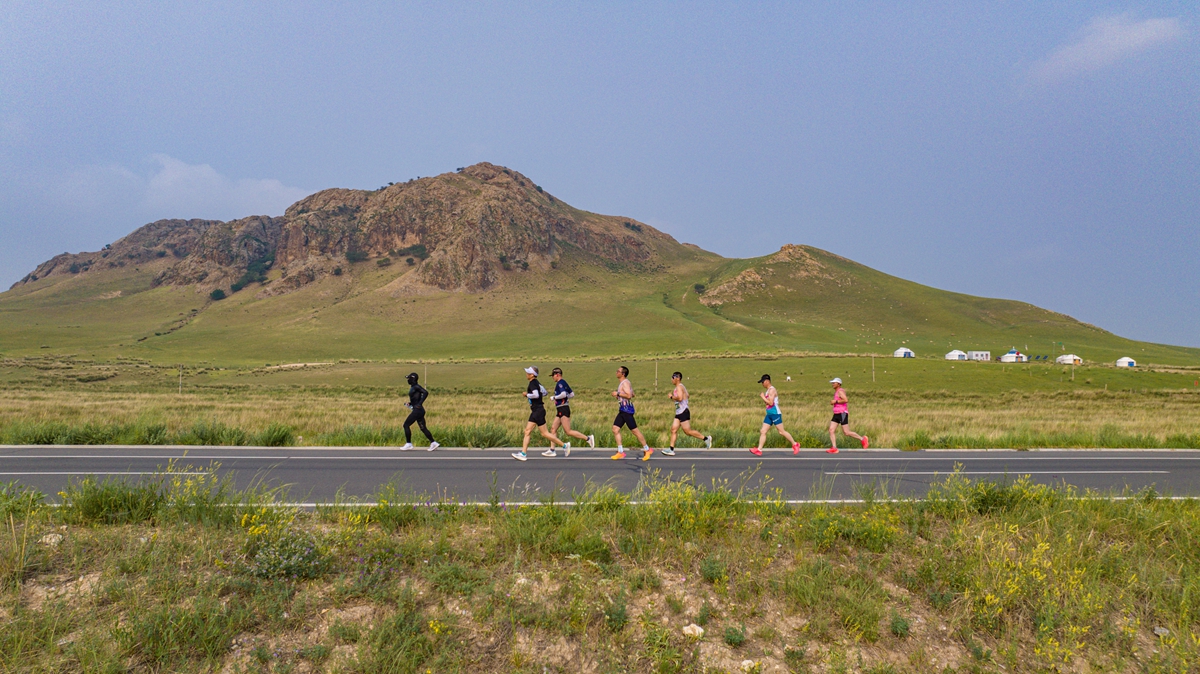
537, 395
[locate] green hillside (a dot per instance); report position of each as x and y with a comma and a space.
577, 295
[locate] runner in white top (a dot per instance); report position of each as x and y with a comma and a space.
772, 418
683, 415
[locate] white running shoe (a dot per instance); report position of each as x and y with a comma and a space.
708, 442
433, 446
550, 452
592, 441
519, 456
667, 451
406, 447
566, 449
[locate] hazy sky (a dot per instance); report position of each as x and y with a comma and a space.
1047, 152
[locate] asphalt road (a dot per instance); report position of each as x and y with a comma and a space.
320, 474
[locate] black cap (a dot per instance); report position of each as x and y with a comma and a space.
765, 377
412, 377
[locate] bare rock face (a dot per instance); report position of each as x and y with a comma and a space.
225, 250
163, 240
466, 228
456, 231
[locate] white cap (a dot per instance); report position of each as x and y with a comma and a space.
835, 380
531, 370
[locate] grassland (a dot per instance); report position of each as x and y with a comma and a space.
577, 311
911, 403
187, 575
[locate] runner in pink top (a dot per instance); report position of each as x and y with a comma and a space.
841, 418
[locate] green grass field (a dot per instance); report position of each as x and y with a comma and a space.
911, 403
578, 311
190, 575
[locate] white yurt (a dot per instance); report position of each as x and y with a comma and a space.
1069, 359
956, 355
904, 352
1014, 356
1126, 362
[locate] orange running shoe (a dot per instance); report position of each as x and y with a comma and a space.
618, 456
646, 454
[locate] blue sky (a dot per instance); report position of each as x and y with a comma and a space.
1047, 152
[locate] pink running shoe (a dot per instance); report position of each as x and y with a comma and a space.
795, 448
832, 450
756, 451
866, 442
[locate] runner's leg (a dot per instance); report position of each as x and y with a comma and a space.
674, 430
529, 426
412, 417
554, 441
762, 435
424, 429
687, 428
566, 424
833, 433
637, 432
790, 439
617, 435
846, 431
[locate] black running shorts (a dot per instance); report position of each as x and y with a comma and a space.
685, 415
842, 418
563, 411
625, 419
538, 416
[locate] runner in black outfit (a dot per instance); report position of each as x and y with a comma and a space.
416, 402
536, 395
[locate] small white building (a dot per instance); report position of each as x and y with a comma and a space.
956, 355
904, 352
1014, 356
1069, 359
979, 355
1126, 362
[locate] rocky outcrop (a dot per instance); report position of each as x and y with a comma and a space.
462, 231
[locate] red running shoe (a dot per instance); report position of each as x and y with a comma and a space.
866, 443
832, 450
795, 448
756, 451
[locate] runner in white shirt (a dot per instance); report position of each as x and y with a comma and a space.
683, 415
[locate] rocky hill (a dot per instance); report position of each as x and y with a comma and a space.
483, 263
459, 231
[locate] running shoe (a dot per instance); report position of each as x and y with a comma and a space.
618, 456
550, 452
592, 441
406, 447
756, 451
866, 442
566, 449
519, 456
433, 446
667, 451
708, 442
832, 450
795, 448
646, 454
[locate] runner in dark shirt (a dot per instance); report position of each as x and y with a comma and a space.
562, 413
416, 402
536, 395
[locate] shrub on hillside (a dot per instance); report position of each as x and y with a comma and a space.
216, 295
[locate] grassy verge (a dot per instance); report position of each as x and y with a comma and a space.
186, 574
372, 416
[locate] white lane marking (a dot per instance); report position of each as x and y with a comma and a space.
999, 472
93, 472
